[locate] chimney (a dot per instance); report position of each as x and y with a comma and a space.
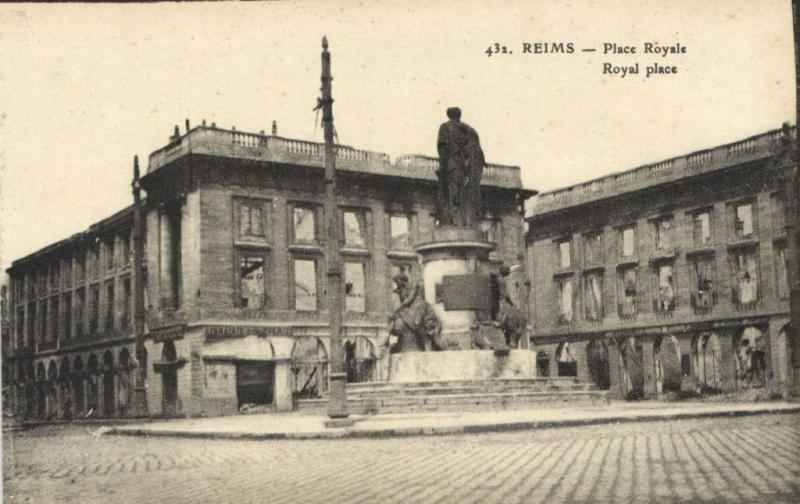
274, 128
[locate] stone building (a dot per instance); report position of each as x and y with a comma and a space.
234, 280
666, 277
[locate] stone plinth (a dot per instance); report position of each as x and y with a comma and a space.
453, 251
465, 365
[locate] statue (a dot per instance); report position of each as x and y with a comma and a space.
461, 165
414, 321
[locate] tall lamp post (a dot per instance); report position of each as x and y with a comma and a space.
337, 408
139, 385
792, 216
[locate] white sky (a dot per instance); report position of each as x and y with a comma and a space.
85, 87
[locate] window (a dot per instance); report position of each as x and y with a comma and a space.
399, 232
593, 294
21, 326
252, 281
251, 218
305, 285
67, 316
54, 276
42, 280
627, 292
125, 254
745, 290
355, 228
564, 254
55, 315
80, 268
170, 257
126, 303
31, 323
593, 253
304, 225
779, 214
701, 271
628, 242
565, 301
66, 271
109, 250
354, 287
701, 228
665, 288
93, 262
80, 304
781, 271
94, 309
664, 234
744, 220
109, 306
43, 321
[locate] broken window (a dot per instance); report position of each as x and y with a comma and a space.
355, 228
252, 281
664, 234
751, 361
665, 284
564, 254
628, 247
304, 225
80, 307
251, 218
354, 287
745, 291
593, 291
564, 300
108, 246
399, 229
126, 303
94, 309
781, 271
567, 365
109, 306
744, 220
701, 228
628, 292
702, 278
67, 316
305, 285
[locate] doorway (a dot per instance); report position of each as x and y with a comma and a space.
255, 382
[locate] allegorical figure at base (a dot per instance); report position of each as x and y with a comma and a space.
414, 322
461, 163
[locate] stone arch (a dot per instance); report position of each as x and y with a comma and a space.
667, 357
141, 359
309, 367
565, 360
78, 384
109, 385
92, 385
125, 385
631, 367
65, 388
360, 357
597, 362
750, 357
51, 389
708, 361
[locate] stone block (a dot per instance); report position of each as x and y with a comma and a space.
463, 365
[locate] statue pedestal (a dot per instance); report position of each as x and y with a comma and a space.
457, 366
453, 251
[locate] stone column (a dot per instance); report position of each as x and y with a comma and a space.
649, 369
727, 357
582, 364
616, 389
283, 388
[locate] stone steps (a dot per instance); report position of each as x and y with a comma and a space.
507, 394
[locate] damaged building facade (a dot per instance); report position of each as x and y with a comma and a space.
234, 279
667, 277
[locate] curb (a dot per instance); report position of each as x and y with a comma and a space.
449, 430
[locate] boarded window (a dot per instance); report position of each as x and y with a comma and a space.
746, 286
628, 246
305, 285
593, 253
564, 254
701, 228
565, 299
664, 234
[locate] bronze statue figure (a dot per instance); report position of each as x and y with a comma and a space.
461, 163
414, 321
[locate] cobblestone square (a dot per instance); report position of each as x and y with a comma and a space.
749, 459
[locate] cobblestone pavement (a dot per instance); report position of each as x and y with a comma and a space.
749, 459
